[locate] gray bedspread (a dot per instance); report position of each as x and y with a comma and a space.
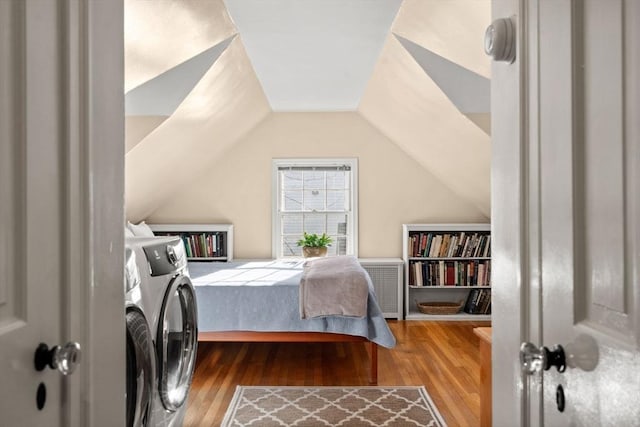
264, 296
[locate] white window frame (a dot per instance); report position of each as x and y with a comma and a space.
352, 230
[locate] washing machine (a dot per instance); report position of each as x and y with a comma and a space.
140, 353
167, 298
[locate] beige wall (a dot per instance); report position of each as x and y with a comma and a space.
393, 188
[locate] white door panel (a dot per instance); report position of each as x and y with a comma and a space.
589, 207
30, 286
61, 209
577, 218
506, 187
602, 211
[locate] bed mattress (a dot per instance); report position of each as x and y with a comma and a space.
263, 296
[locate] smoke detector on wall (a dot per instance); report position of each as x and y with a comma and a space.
500, 40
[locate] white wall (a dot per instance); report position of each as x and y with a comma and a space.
393, 188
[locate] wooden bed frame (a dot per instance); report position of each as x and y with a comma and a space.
249, 336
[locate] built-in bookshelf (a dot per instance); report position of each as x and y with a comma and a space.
202, 242
447, 263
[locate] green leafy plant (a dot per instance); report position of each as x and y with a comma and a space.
314, 241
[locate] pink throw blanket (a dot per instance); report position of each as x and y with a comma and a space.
333, 286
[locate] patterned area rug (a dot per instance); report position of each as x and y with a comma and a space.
332, 406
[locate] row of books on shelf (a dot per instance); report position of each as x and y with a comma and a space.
202, 245
449, 245
450, 273
478, 302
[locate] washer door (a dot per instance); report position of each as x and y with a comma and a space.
140, 368
177, 342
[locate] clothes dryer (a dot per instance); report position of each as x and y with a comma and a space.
170, 307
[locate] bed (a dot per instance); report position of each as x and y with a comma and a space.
258, 301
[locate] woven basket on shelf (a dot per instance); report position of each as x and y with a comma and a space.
440, 307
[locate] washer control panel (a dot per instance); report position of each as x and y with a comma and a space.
165, 258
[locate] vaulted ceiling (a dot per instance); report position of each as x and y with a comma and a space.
196, 68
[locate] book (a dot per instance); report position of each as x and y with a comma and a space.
462, 241
418, 267
423, 243
471, 301
452, 246
413, 245
428, 247
446, 238
487, 249
412, 275
484, 309
425, 274
450, 279
483, 302
481, 278
474, 279
435, 250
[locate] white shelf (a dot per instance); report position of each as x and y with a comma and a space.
440, 293
413, 258
227, 229
189, 228
460, 316
449, 287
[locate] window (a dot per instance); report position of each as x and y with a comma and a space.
316, 196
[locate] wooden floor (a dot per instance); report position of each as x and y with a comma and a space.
442, 356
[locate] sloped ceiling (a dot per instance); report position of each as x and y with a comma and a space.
162, 95
469, 92
223, 105
150, 104
384, 59
406, 104
313, 55
161, 34
454, 29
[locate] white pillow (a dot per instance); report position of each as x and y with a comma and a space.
141, 229
127, 232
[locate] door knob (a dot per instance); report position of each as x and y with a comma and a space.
534, 359
65, 359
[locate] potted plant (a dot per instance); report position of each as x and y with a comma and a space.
314, 245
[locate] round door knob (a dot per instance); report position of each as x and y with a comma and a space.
65, 359
534, 359
531, 358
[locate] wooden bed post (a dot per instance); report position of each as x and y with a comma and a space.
373, 380
252, 336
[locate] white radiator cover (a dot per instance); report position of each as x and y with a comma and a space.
386, 275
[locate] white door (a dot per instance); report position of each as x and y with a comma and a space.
575, 277
61, 210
